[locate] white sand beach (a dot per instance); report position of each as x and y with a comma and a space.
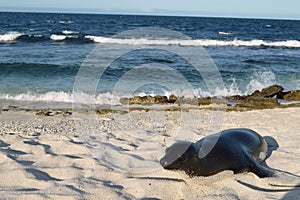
115, 156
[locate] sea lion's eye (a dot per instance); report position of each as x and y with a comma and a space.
183, 158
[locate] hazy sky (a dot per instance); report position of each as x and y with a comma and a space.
237, 8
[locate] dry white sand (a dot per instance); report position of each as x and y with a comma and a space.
115, 156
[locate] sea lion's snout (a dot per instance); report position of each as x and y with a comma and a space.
163, 163
175, 155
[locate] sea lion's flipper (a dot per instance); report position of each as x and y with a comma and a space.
262, 171
258, 169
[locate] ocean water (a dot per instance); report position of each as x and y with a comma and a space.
100, 58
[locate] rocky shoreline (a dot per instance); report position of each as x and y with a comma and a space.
268, 98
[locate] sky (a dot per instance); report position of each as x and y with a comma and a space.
286, 9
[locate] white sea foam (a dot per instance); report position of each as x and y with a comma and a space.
61, 37
260, 80
66, 97
84, 98
50, 96
224, 33
57, 37
66, 22
10, 36
69, 32
195, 42
113, 98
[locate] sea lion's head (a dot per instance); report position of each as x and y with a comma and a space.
181, 156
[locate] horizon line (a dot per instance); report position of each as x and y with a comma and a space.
170, 14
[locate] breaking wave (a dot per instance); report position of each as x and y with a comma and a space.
73, 36
259, 81
10, 36
196, 42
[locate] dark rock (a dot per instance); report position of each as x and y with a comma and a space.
173, 109
292, 95
145, 100
281, 94
271, 91
210, 100
67, 113
41, 113
139, 109
236, 98
259, 103
142, 100
173, 99
58, 112
267, 92
103, 111
25, 108
51, 113
46, 113
204, 101
255, 94
161, 100
125, 101
136, 100
5, 108
54, 112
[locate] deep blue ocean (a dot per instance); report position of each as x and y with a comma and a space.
50, 57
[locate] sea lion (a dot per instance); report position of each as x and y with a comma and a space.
239, 150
